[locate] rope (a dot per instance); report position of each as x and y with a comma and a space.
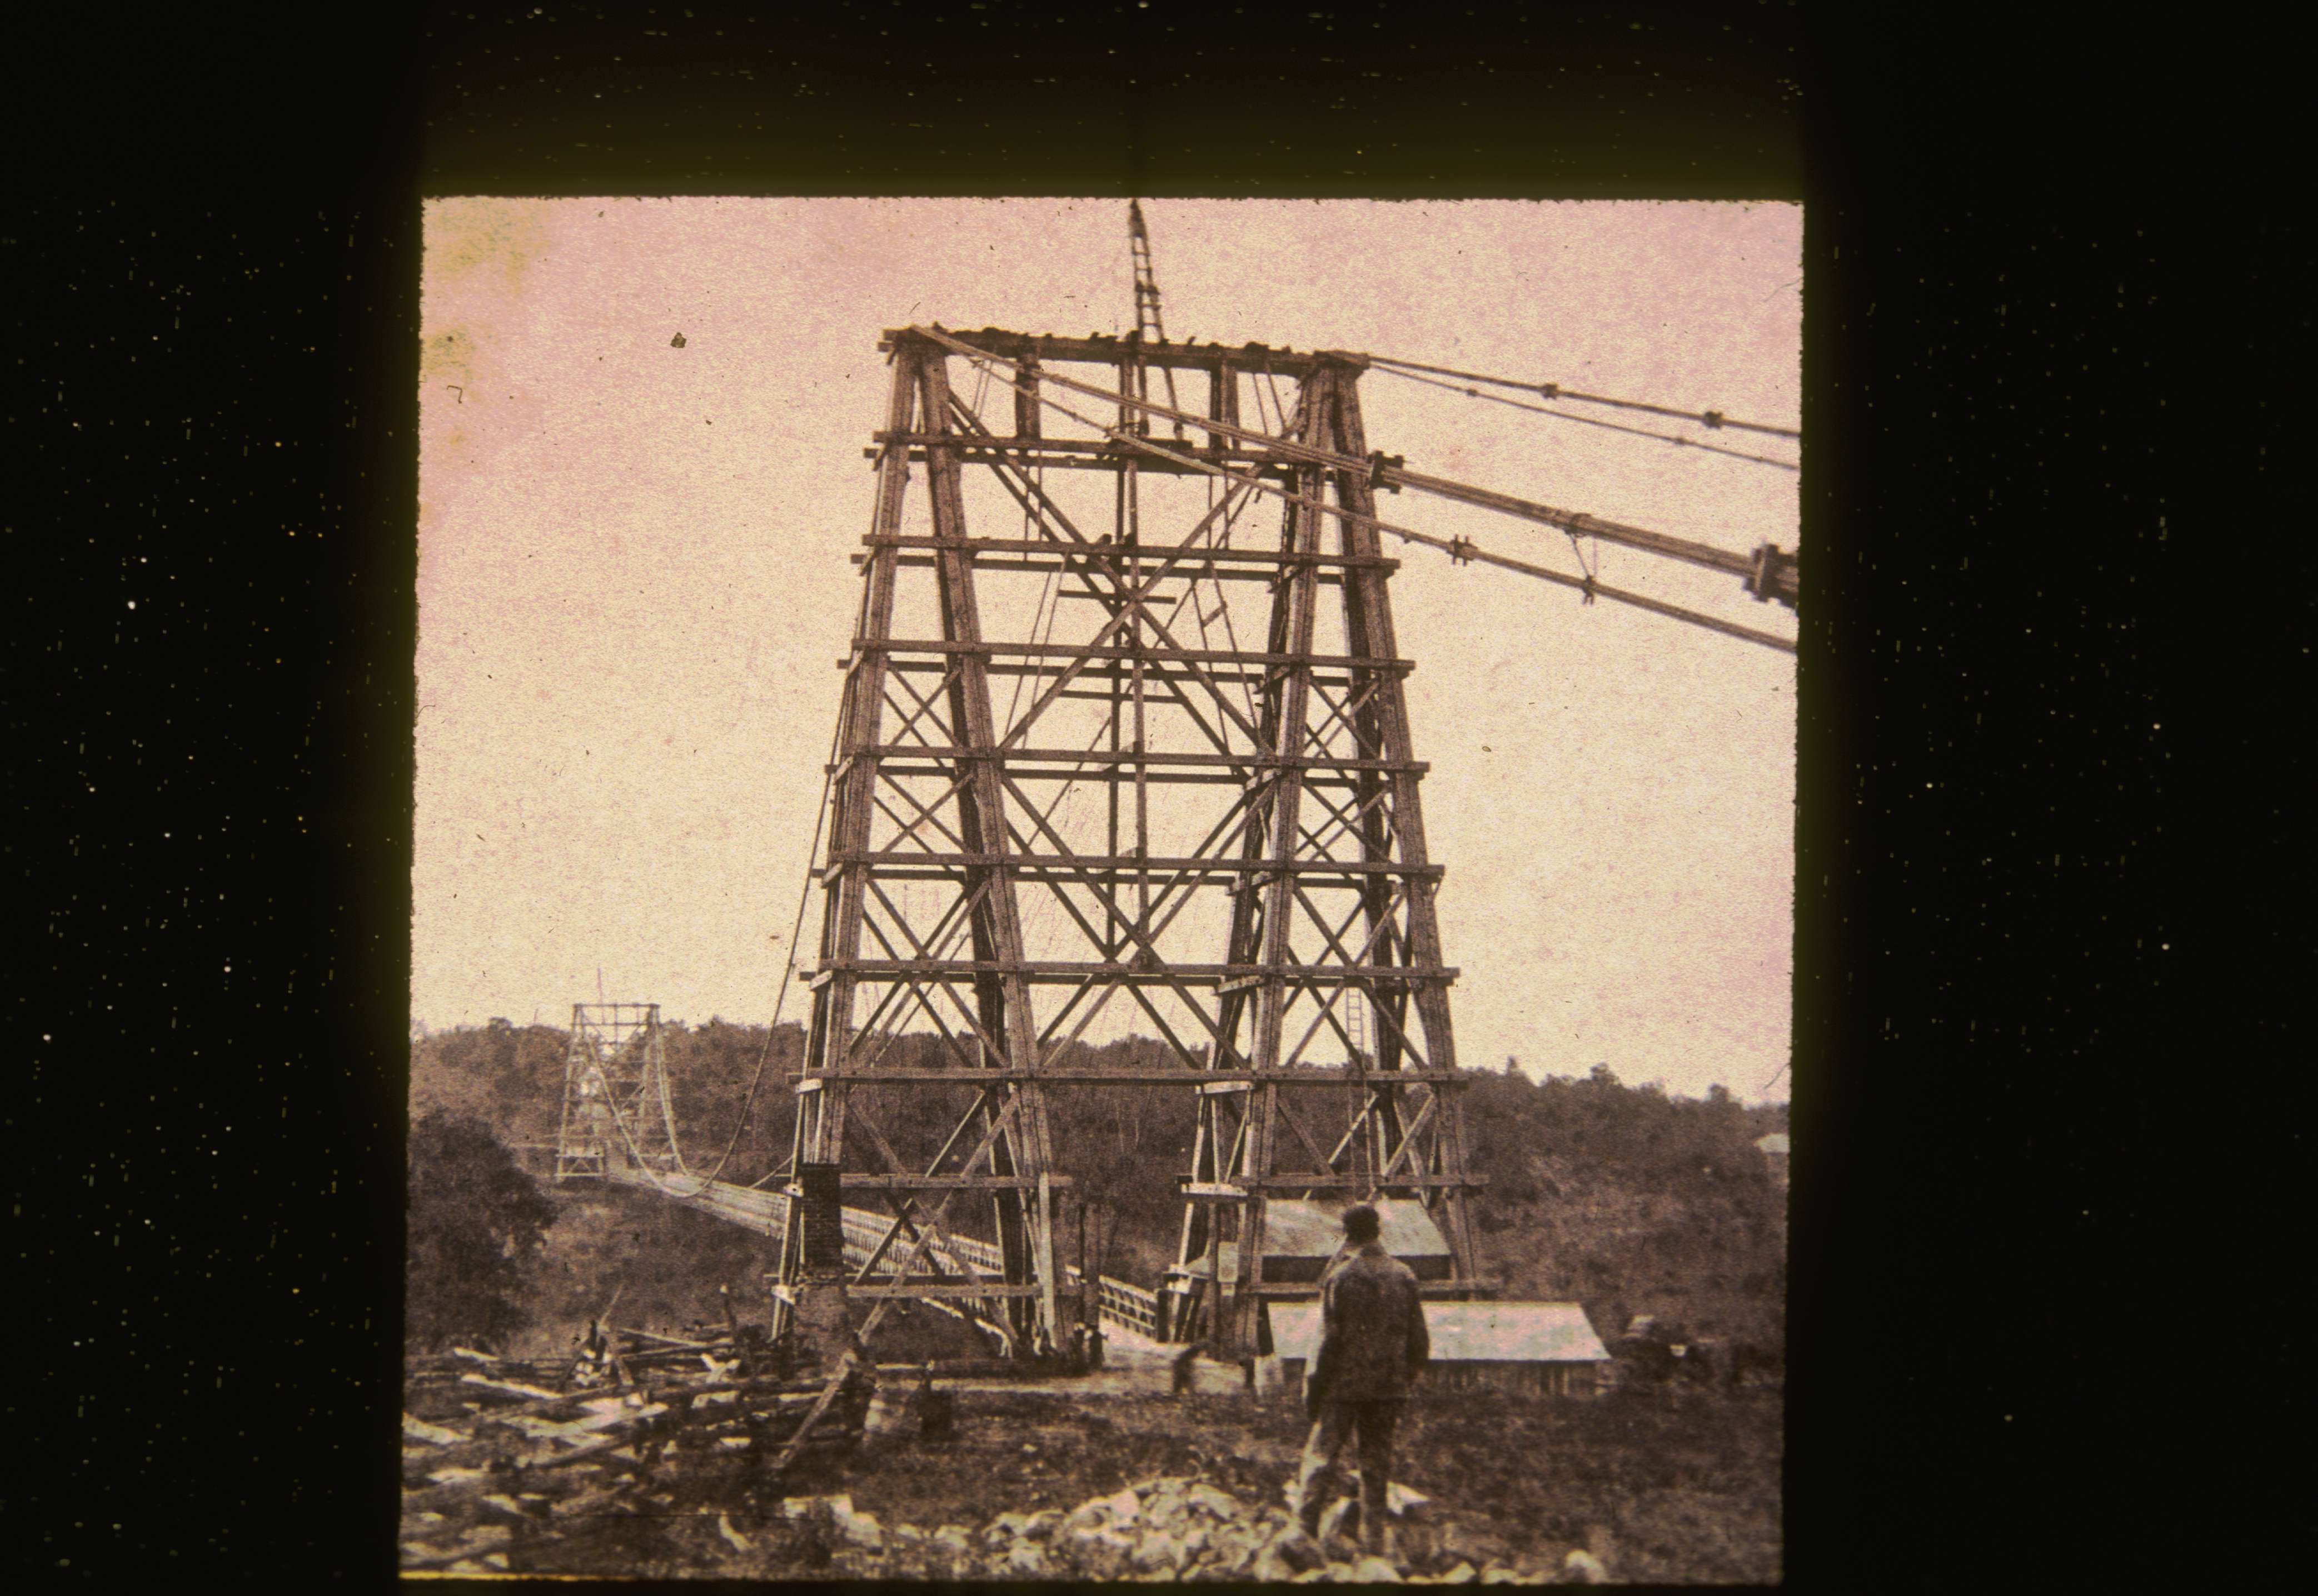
1593, 569
1707, 419
1664, 437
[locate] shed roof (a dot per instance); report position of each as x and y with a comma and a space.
1468, 1333
1776, 1142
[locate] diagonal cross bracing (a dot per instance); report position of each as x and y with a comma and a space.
1226, 829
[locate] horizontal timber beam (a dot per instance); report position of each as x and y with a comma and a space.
1129, 756
943, 1289
1164, 1076
1127, 556
1156, 670
1107, 350
1047, 863
1052, 972
1144, 465
1157, 779
1233, 1190
977, 442
851, 1181
867, 645
1311, 1289
1026, 565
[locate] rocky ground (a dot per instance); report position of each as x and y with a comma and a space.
1062, 1484
1174, 1527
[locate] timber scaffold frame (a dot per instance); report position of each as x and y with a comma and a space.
1318, 925
615, 1073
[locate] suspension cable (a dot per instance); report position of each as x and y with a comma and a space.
788, 963
1460, 550
1707, 419
1387, 473
1639, 432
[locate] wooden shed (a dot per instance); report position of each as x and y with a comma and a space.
1774, 1149
1531, 1348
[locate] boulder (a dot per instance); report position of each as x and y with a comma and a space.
1270, 1567
806, 1507
1462, 1574
1102, 1553
1298, 1551
953, 1539
1005, 1530
1219, 1504
1375, 1571
862, 1530
1157, 1550
1583, 1568
1025, 1560
1237, 1539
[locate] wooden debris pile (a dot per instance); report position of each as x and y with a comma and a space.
505, 1462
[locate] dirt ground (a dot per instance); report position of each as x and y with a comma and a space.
1673, 1486
1663, 1491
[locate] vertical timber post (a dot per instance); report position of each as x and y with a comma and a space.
820, 1133
1368, 625
1003, 1148
1025, 1215
1293, 612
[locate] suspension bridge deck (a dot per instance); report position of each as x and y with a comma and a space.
1129, 1315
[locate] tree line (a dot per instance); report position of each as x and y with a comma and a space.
1626, 1200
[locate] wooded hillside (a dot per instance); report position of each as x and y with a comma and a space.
1620, 1198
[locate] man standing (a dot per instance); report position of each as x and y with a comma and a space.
1373, 1344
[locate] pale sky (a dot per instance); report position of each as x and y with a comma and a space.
633, 580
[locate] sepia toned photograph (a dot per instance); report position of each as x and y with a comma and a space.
1103, 889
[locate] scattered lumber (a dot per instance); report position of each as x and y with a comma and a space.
503, 1458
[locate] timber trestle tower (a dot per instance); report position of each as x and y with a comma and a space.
1137, 737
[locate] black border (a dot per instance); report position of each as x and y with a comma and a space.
218, 231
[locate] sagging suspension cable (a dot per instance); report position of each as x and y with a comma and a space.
788, 962
1710, 419
1639, 432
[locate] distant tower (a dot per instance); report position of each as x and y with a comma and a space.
613, 1074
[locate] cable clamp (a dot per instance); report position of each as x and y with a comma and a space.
1550, 390
1379, 463
1461, 550
1714, 418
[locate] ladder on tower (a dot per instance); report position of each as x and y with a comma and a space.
1148, 329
